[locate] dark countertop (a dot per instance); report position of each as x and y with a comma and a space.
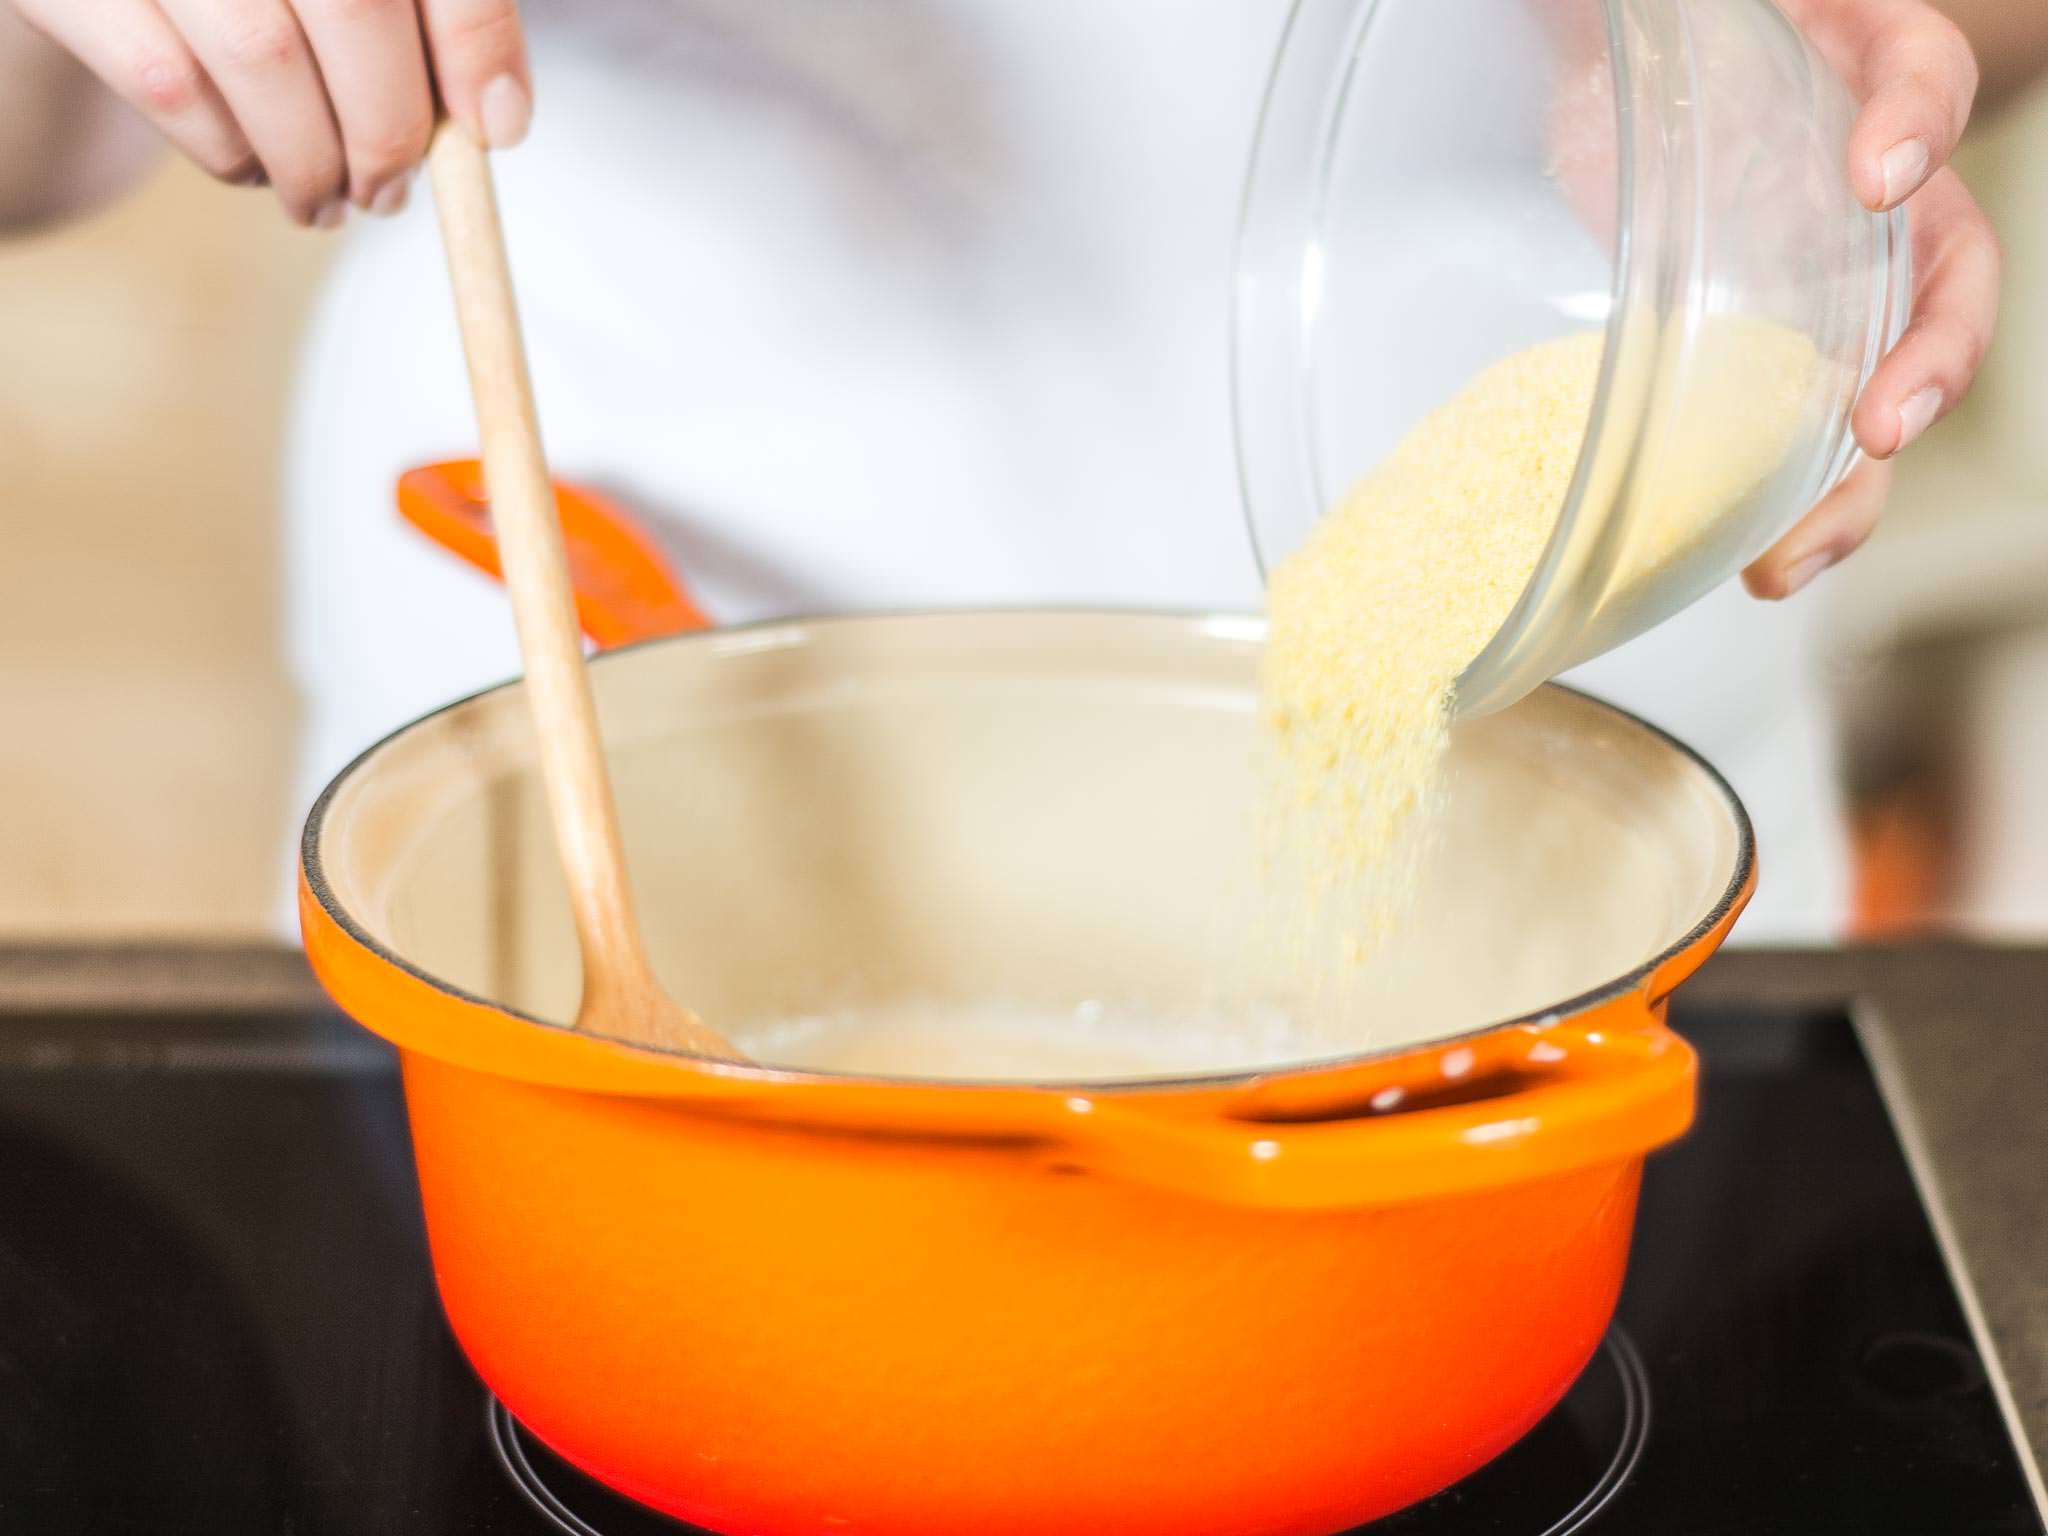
1958, 1035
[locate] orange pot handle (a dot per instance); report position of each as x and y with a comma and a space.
1562, 1097
626, 590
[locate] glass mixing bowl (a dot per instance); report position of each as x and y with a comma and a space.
1438, 183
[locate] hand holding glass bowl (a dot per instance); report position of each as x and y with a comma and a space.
1437, 185
1912, 71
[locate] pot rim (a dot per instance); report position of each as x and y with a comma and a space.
1217, 623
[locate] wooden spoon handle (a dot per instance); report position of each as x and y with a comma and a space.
522, 500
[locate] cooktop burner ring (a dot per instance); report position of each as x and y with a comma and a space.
560, 1494
1620, 1351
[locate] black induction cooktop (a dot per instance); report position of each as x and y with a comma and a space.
216, 1313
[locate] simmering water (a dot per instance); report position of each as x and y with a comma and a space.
1021, 1042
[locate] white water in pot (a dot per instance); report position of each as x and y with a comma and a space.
1021, 1042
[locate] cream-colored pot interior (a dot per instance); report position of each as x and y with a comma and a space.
1027, 812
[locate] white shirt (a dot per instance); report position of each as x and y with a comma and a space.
883, 304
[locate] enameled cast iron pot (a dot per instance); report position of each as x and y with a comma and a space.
1285, 1299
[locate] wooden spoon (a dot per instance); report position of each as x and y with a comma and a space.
621, 997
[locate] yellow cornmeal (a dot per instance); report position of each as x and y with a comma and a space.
1395, 592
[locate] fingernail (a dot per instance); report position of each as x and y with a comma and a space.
391, 197
1905, 167
1917, 413
331, 215
505, 109
1805, 568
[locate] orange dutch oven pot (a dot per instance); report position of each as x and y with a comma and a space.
1281, 1299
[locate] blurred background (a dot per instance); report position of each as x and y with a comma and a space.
1939, 627
145, 756
144, 763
